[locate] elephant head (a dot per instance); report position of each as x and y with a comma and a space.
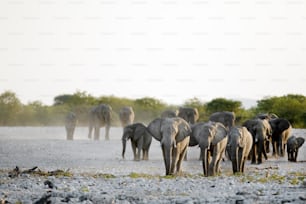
191, 115
126, 115
293, 145
226, 118
173, 135
212, 139
239, 146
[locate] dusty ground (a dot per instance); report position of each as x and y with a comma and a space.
47, 148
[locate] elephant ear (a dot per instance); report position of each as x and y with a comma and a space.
220, 134
184, 129
243, 136
139, 131
300, 141
154, 128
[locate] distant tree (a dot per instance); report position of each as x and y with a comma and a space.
10, 105
291, 107
222, 104
148, 108
78, 98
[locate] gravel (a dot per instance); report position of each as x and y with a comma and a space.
94, 172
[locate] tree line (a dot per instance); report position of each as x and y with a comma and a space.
14, 113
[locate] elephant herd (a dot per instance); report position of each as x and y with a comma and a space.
178, 130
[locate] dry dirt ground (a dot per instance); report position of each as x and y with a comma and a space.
47, 148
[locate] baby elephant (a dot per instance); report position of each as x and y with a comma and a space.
140, 140
239, 147
293, 145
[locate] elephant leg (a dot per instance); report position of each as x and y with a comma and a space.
138, 152
180, 160
134, 150
174, 159
253, 153
212, 170
259, 152
107, 127
267, 146
90, 131
295, 156
274, 146
97, 133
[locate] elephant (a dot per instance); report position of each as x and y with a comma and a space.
267, 116
293, 145
239, 146
212, 140
260, 131
281, 130
140, 140
226, 118
70, 123
168, 114
100, 116
174, 135
191, 115
126, 116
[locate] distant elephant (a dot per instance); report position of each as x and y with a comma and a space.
281, 130
293, 145
140, 140
212, 140
70, 123
239, 146
260, 131
191, 115
226, 118
168, 114
100, 116
173, 134
126, 116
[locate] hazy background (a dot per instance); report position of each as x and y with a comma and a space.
169, 49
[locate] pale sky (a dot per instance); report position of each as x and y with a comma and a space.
172, 50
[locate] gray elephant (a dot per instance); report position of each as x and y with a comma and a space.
70, 123
140, 140
191, 115
226, 118
260, 131
126, 116
293, 145
281, 130
173, 134
100, 116
239, 146
212, 140
168, 114
268, 117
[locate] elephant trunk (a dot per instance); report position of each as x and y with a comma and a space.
205, 161
123, 147
167, 158
235, 160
